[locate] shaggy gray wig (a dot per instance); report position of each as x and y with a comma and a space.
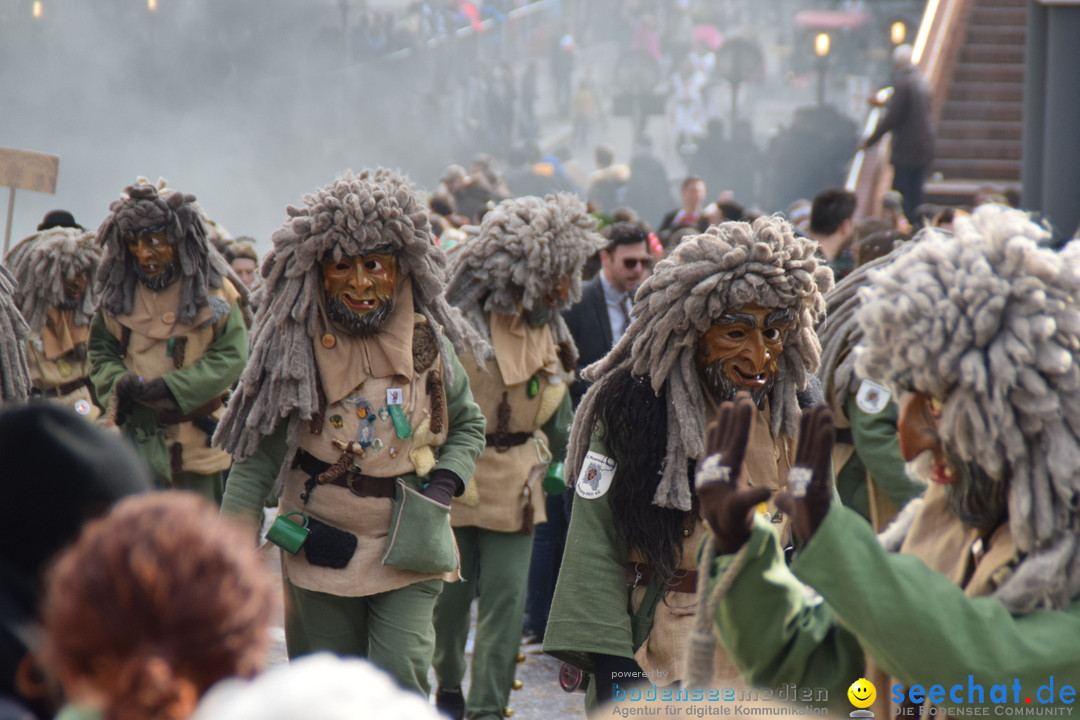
14, 377
41, 268
526, 245
354, 215
731, 265
988, 323
143, 207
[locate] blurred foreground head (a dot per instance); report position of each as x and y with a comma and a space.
320, 686
978, 335
156, 602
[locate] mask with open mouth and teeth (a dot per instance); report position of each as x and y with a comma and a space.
153, 256
741, 351
360, 291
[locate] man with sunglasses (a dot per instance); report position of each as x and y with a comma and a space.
602, 316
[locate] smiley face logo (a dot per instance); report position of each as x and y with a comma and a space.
862, 693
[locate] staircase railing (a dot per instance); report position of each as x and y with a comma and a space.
935, 52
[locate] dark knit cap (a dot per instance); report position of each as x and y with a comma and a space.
57, 471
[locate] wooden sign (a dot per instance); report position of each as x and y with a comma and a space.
24, 170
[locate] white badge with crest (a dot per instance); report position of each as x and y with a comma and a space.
595, 477
872, 397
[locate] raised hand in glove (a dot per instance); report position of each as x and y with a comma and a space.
442, 485
727, 500
809, 496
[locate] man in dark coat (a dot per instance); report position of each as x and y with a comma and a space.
908, 117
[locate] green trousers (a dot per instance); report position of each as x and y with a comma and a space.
211, 487
392, 629
495, 566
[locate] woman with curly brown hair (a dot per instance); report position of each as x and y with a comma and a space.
154, 603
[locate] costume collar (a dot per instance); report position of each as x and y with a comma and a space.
154, 312
61, 333
520, 349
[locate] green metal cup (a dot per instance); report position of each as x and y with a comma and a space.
555, 480
286, 534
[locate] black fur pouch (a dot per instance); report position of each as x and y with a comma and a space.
329, 547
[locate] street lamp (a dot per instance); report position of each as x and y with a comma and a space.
821, 49
898, 32
151, 5
37, 9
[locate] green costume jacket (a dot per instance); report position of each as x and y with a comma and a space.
875, 458
199, 382
914, 622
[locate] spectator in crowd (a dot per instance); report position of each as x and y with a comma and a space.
243, 259
831, 226
892, 210
690, 214
649, 191
908, 117
152, 605
599, 320
877, 245
471, 193
607, 181
78, 472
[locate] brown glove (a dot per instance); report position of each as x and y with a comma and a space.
442, 486
809, 496
727, 501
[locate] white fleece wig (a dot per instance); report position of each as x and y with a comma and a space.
988, 322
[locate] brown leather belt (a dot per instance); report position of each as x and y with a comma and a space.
507, 440
174, 417
684, 581
354, 481
64, 389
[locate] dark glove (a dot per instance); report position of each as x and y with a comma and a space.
126, 387
727, 501
152, 391
809, 496
443, 485
132, 387
612, 670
